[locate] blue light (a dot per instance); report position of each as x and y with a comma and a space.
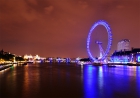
139, 58
89, 82
100, 22
138, 79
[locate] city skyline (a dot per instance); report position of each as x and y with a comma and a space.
60, 27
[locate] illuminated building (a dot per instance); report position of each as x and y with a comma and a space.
29, 58
36, 58
123, 45
126, 56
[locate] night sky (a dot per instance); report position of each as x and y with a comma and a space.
59, 28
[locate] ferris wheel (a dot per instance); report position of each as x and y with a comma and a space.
103, 52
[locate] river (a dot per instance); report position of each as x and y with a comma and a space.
62, 80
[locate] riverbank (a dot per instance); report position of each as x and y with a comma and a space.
5, 66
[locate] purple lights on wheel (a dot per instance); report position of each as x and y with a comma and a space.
103, 23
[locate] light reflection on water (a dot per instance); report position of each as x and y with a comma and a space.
89, 81
111, 82
100, 78
70, 80
138, 79
26, 81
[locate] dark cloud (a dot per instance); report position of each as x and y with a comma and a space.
60, 27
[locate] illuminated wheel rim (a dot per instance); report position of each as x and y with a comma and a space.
105, 24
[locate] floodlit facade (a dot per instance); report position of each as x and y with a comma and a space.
31, 58
123, 45
126, 56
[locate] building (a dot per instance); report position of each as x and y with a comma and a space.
132, 55
123, 45
36, 58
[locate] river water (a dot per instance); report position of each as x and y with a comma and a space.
62, 80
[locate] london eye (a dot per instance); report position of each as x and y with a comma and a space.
103, 51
